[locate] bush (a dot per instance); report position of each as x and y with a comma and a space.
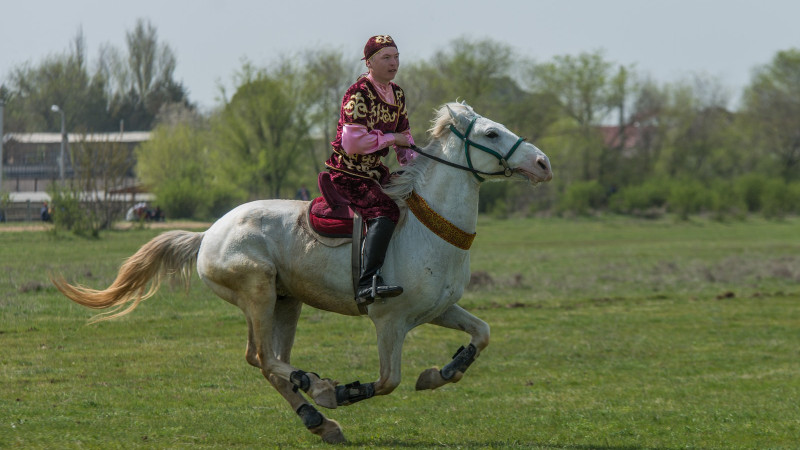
5, 200
688, 197
793, 190
646, 200
180, 198
726, 201
582, 197
69, 214
776, 201
750, 189
490, 195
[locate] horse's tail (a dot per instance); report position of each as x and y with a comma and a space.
173, 252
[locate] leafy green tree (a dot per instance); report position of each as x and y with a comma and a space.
582, 86
176, 164
425, 89
263, 132
476, 71
772, 106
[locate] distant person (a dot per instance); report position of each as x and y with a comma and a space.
46, 213
303, 194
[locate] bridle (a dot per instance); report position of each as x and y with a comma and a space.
502, 159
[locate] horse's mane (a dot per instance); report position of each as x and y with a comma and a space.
441, 120
401, 185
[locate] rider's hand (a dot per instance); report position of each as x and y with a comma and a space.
401, 140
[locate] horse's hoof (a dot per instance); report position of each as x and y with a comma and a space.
429, 379
330, 432
324, 393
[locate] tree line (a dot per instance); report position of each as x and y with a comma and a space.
122, 88
618, 139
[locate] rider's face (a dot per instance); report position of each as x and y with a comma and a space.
384, 64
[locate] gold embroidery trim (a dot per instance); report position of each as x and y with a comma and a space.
355, 106
438, 224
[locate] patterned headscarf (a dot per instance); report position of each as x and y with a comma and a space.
376, 43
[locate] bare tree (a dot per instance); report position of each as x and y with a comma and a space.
327, 74
93, 198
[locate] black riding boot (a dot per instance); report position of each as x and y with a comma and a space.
379, 233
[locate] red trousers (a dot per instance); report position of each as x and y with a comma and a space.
366, 196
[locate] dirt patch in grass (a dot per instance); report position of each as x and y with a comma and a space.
33, 286
484, 280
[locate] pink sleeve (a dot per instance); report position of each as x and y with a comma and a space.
404, 154
356, 140
410, 138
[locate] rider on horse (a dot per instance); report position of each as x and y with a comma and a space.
373, 117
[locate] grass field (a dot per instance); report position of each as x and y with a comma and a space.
606, 333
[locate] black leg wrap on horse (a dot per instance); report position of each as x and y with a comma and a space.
300, 380
310, 416
354, 392
461, 360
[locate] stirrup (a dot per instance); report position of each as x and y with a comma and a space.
367, 295
379, 289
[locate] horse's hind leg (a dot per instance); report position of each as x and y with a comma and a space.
257, 298
251, 354
287, 313
456, 318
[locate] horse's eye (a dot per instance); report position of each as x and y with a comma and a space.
491, 134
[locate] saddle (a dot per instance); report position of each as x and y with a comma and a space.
330, 215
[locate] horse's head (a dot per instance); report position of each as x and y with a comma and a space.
489, 149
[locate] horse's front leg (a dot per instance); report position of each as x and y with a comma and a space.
457, 318
390, 348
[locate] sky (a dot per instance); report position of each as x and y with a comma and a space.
666, 40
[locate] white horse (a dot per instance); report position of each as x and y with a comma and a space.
262, 257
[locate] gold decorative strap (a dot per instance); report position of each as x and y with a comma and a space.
438, 224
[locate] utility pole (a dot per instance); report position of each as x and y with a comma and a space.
2, 105
55, 108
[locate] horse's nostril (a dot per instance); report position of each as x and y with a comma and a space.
542, 165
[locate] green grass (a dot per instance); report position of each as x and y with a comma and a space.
609, 333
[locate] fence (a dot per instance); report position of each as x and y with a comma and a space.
29, 207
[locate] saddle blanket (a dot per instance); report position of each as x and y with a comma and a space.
331, 222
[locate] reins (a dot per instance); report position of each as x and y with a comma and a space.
502, 160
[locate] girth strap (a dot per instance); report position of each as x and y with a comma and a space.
355, 260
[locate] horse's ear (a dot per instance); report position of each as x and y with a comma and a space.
461, 120
453, 115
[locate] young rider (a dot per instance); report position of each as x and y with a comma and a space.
373, 117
